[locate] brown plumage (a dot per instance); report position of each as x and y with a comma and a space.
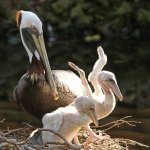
42, 90
33, 92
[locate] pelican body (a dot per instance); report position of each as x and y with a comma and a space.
68, 120
33, 93
41, 90
105, 86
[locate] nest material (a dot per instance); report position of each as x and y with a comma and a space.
20, 139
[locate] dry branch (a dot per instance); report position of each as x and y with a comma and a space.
117, 123
16, 144
2, 121
56, 143
13, 138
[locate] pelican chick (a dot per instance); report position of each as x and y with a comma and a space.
105, 86
68, 120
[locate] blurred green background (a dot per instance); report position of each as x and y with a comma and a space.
73, 29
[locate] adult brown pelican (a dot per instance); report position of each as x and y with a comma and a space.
41, 90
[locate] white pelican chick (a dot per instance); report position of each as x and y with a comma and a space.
105, 86
68, 120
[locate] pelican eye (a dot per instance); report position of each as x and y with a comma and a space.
111, 80
92, 109
35, 30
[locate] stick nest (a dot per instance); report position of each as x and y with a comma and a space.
20, 139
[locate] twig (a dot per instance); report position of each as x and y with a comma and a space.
9, 141
12, 131
9, 138
2, 121
132, 142
113, 122
33, 133
27, 124
117, 123
16, 144
59, 135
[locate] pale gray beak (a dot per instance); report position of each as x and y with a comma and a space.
115, 89
93, 117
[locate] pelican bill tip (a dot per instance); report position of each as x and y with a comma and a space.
55, 95
121, 98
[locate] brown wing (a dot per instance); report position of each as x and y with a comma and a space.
37, 99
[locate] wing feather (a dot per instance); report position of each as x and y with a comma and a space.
71, 80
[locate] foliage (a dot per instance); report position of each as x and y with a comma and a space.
84, 17
80, 25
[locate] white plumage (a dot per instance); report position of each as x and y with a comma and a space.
104, 84
30, 20
71, 80
68, 120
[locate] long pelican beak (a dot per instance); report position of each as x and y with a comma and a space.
93, 117
36, 42
39, 41
115, 89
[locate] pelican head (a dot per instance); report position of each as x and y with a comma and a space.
86, 105
108, 82
31, 32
